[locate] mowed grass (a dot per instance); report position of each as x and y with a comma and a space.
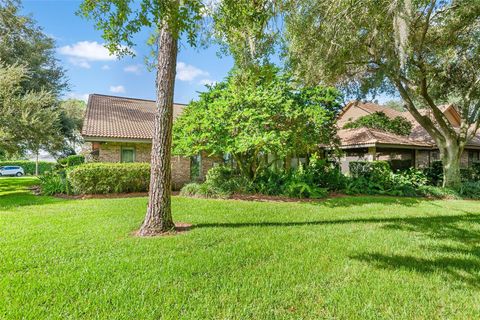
343, 258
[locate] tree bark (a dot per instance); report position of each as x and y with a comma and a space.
159, 215
36, 164
451, 166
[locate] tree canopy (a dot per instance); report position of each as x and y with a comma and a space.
22, 41
28, 121
268, 115
428, 51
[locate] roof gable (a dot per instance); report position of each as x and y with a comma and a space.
120, 117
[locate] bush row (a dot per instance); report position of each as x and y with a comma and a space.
29, 166
319, 177
314, 180
101, 178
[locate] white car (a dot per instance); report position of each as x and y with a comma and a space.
12, 171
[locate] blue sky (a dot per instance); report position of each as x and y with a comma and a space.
91, 70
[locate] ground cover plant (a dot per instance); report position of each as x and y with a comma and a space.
349, 258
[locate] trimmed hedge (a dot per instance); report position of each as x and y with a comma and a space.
29, 166
72, 161
102, 178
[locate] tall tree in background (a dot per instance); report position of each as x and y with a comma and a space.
23, 42
28, 121
120, 20
428, 51
72, 112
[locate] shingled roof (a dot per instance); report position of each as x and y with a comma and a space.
419, 137
371, 137
120, 117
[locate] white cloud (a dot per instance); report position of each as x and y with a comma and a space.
117, 89
79, 96
80, 63
105, 67
87, 50
134, 68
187, 72
207, 82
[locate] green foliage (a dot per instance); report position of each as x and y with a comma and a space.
71, 161
469, 189
190, 189
224, 180
29, 166
376, 177
52, 183
121, 20
101, 178
28, 121
23, 41
300, 184
428, 52
434, 173
264, 114
381, 121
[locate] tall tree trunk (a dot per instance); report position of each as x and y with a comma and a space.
159, 214
36, 164
451, 165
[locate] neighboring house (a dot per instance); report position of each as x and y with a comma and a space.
417, 150
118, 129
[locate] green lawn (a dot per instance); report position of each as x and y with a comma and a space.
344, 258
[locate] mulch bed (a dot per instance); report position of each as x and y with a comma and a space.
243, 197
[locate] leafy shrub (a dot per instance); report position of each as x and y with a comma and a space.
469, 189
224, 180
370, 170
326, 174
190, 189
379, 120
438, 192
52, 183
71, 161
377, 178
29, 166
101, 178
204, 190
434, 173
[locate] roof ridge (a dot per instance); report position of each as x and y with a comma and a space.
129, 98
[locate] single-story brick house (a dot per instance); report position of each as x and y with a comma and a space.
416, 150
119, 129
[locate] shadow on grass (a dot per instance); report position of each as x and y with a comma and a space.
413, 220
14, 192
355, 201
455, 253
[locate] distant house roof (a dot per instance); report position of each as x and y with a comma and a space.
120, 118
419, 137
370, 137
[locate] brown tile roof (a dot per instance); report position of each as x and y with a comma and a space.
367, 136
119, 117
418, 137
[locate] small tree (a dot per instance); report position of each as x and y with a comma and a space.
266, 115
428, 51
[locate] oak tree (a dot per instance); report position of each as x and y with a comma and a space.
427, 51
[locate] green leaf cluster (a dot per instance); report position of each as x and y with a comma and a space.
254, 116
381, 121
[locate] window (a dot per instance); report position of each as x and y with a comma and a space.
128, 155
473, 156
195, 164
